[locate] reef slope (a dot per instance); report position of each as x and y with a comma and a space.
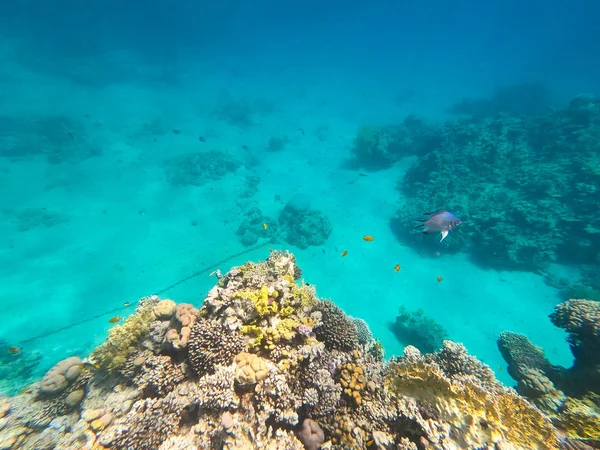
264, 363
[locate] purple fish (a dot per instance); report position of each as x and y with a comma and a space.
442, 221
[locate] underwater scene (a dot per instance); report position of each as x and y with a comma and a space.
300, 225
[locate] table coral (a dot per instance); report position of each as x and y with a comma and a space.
488, 412
222, 392
570, 397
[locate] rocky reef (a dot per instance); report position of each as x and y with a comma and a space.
570, 397
262, 362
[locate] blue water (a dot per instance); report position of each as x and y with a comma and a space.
95, 97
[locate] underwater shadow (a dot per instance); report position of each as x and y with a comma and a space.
358, 164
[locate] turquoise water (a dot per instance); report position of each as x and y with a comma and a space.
92, 110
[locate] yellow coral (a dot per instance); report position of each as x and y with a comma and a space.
580, 419
271, 338
481, 414
286, 309
256, 333
286, 328
123, 339
289, 278
264, 302
309, 322
304, 295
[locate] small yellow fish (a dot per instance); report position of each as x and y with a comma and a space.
126, 304
14, 350
439, 279
344, 253
114, 319
265, 226
89, 366
397, 267
368, 238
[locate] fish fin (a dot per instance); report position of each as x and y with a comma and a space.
444, 234
419, 226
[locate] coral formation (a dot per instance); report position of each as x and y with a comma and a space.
195, 169
570, 397
509, 185
416, 329
252, 227
249, 378
380, 147
302, 226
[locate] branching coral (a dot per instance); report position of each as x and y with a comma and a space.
124, 340
211, 345
336, 330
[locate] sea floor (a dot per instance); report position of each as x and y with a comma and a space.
85, 237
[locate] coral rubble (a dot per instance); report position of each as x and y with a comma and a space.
264, 363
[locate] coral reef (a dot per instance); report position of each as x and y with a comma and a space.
506, 179
195, 169
252, 227
380, 147
570, 397
268, 365
416, 329
302, 226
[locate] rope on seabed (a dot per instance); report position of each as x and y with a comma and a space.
159, 292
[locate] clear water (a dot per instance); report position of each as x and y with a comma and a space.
96, 96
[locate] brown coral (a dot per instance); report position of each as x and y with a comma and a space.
159, 375
58, 377
250, 368
353, 380
212, 344
336, 330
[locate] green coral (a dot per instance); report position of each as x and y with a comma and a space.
123, 340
